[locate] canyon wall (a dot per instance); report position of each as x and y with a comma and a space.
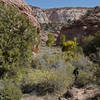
87, 25
59, 15
65, 15
40, 14
75, 21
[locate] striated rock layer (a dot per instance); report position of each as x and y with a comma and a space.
23, 8
40, 15
65, 15
58, 15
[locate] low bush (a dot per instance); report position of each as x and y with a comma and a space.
87, 69
62, 39
83, 79
82, 62
97, 75
92, 45
43, 81
49, 58
10, 92
51, 40
63, 61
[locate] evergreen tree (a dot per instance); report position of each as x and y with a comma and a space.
62, 39
51, 40
17, 35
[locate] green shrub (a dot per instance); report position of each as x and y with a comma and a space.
51, 60
43, 81
87, 70
49, 74
86, 40
10, 92
93, 45
17, 35
51, 40
89, 12
62, 39
83, 79
82, 62
97, 75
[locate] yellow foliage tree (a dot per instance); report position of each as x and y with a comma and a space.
70, 45
69, 48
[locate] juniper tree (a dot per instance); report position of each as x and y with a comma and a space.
17, 35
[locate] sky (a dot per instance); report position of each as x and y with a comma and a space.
63, 3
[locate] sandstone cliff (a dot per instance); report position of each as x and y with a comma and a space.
65, 15
40, 14
58, 15
52, 20
75, 21
23, 8
88, 24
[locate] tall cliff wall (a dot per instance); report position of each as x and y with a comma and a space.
87, 25
40, 15
65, 15
72, 21
58, 15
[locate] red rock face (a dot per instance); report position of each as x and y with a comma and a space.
24, 9
85, 26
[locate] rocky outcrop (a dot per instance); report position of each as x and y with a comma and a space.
40, 14
65, 15
76, 21
86, 25
23, 8
58, 15
89, 92
52, 20
86, 93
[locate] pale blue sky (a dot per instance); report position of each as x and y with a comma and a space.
63, 3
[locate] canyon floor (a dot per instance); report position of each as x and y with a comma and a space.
87, 92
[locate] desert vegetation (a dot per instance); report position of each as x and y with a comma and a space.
50, 73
